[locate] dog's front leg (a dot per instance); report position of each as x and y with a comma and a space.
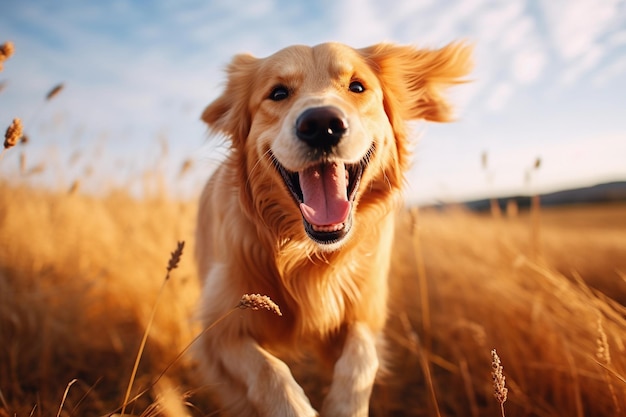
354, 375
252, 382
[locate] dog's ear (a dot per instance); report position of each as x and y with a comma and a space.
413, 80
229, 113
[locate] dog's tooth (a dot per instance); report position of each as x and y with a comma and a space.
330, 228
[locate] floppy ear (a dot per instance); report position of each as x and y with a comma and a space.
413, 80
229, 113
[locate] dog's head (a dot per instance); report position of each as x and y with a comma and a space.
327, 123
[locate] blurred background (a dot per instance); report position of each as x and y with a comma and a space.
545, 110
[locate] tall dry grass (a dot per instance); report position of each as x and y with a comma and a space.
486, 291
79, 277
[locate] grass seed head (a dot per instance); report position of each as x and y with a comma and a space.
6, 50
257, 302
185, 167
13, 133
175, 257
54, 92
602, 351
499, 389
74, 187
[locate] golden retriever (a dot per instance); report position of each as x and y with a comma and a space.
302, 210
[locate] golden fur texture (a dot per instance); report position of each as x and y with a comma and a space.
260, 233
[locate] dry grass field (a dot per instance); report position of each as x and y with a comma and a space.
80, 276
84, 303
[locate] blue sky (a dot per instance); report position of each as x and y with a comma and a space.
550, 82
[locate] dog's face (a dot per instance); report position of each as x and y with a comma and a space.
320, 118
326, 125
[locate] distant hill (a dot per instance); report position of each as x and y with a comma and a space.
601, 193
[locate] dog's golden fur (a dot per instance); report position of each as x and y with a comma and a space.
330, 280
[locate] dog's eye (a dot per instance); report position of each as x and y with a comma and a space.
356, 87
279, 93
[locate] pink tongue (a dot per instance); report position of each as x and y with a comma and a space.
324, 193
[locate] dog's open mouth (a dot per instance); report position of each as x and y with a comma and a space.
325, 194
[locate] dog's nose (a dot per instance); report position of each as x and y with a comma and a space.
321, 127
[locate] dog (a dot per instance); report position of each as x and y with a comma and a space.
302, 210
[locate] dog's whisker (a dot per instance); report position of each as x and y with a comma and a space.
267, 154
387, 180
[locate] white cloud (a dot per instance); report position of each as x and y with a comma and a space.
518, 33
499, 96
360, 23
576, 25
510, 51
611, 72
578, 30
494, 24
528, 65
446, 22
617, 39
588, 61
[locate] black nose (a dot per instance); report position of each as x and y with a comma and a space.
321, 127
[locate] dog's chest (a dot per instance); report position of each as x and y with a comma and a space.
324, 298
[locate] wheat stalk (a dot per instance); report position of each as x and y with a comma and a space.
499, 387
174, 258
6, 50
13, 133
185, 167
74, 187
3, 400
494, 204
247, 301
603, 354
535, 211
602, 342
422, 280
54, 92
258, 302
172, 264
67, 390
